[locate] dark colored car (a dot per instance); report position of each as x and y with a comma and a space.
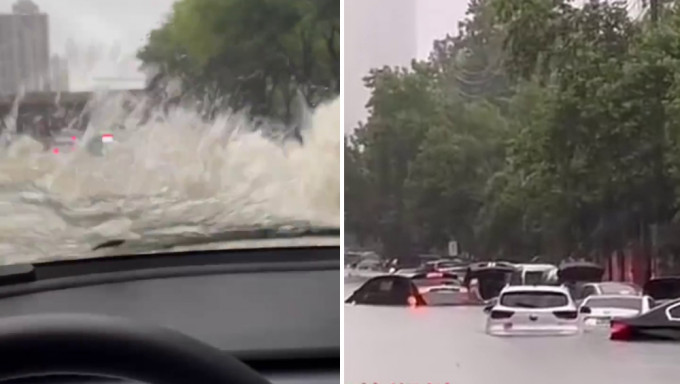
662, 323
388, 290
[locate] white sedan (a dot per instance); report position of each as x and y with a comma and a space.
598, 310
533, 310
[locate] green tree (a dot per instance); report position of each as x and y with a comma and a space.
255, 54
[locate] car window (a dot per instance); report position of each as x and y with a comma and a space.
534, 299
587, 291
674, 312
634, 303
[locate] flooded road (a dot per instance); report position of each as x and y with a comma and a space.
172, 177
448, 345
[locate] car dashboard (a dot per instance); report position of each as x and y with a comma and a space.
275, 309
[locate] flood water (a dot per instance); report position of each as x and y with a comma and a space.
174, 176
448, 345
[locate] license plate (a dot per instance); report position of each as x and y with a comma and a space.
592, 321
507, 326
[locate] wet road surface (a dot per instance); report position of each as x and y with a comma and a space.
448, 345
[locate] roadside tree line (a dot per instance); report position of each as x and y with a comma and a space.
263, 56
541, 128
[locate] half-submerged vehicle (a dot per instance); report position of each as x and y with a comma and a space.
575, 275
662, 323
441, 288
599, 310
533, 310
534, 274
388, 290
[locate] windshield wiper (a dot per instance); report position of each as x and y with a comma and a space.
236, 234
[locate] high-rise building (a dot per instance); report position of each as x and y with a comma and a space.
377, 33
59, 74
24, 49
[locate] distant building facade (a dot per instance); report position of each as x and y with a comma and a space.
24, 49
59, 74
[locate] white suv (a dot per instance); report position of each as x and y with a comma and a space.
533, 310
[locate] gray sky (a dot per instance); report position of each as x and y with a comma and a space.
103, 24
389, 32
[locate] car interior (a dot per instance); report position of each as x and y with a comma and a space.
236, 316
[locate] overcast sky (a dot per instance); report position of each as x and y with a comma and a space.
389, 32
103, 24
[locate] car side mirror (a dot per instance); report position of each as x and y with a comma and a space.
488, 308
584, 310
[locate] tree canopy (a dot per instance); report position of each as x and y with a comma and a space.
543, 127
256, 54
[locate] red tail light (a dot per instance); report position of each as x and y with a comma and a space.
501, 314
412, 302
567, 315
620, 331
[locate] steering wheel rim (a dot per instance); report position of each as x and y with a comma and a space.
102, 346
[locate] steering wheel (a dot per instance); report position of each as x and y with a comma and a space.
101, 346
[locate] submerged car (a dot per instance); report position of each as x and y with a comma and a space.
583, 291
440, 288
662, 323
598, 310
485, 280
533, 310
534, 274
365, 269
575, 275
388, 290
663, 289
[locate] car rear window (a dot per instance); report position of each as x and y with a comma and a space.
534, 299
634, 303
615, 289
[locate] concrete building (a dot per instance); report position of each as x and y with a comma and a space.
58, 74
377, 33
24, 49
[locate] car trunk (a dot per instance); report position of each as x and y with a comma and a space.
581, 272
491, 281
666, 288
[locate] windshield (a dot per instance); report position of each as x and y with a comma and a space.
634, 303
534, 299
159, 122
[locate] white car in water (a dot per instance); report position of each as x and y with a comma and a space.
533, 310
598, 310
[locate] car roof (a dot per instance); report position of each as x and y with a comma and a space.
595, 297
535, 288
